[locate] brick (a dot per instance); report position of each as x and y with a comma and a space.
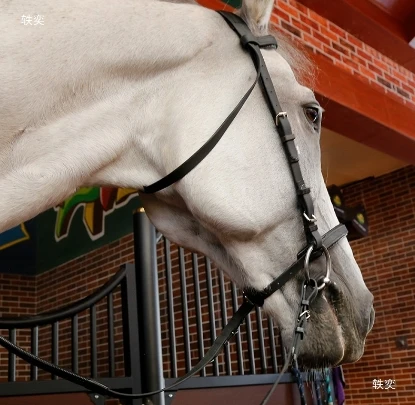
332, 52
301, 8
366, 72
309, 22
291, 29
346, 44
328, 34
292, 11
321, 38
375, 69
343, 66
384, 82
364, 55
337, 30
391, 79
402, 93
282, 15
341, 49
324, 55
301, 26
318, 18
313, 42
407, 88
401, 76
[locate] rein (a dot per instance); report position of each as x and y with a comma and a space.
316, 244
309, 293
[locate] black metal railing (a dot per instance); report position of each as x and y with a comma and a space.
173, 304
122, 283
207, 301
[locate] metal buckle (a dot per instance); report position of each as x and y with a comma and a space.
281, 114
312, 219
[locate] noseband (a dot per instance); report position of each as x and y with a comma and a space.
316, 244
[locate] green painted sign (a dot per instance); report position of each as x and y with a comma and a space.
89, 219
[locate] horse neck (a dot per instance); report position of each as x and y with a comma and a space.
178, 62
78, 49
135, 59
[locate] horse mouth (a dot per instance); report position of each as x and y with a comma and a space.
325, 343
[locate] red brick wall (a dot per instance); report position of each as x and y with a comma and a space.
387, 260
344, 50
348, 52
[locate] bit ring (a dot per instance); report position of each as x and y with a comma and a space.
326, 279
307, 261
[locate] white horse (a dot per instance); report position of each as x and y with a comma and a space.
120, 93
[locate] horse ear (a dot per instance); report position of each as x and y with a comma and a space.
257, 14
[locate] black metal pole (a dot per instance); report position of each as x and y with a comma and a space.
148, 306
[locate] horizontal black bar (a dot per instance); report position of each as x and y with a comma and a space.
232, 381
21, 388
65, 312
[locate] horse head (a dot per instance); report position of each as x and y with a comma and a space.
239, 205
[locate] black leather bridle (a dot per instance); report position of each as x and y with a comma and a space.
316, 244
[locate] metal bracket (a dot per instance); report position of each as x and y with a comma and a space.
97, 399
169, 397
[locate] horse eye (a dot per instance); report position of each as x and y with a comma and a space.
312, 114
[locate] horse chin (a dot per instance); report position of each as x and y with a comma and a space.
330, 338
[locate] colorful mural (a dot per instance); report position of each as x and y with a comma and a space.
96, 204
90, 218
13, 236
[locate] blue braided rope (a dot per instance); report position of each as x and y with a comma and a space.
316, 384
327, 373
300, 384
